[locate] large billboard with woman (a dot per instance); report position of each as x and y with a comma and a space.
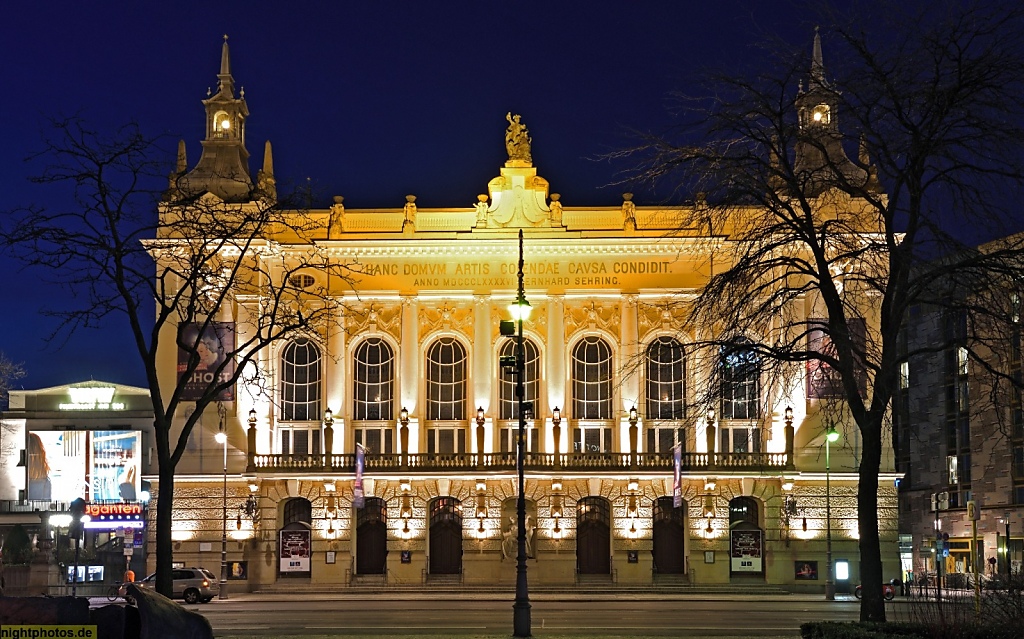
98, 465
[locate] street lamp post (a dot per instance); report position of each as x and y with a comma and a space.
830, 586
521, 608
222, 438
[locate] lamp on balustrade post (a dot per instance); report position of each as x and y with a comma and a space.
633, 419
328, 438
222, 438
403, 437
556, 433
520, 310
830, 587
480, 420
250, 466
710, 435
790, 464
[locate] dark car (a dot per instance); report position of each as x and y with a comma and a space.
194, 585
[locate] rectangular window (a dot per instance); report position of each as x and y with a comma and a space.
510, 439
951, 464
663, 440
740, 440
905, 375
376, 440
592, 439
446, 441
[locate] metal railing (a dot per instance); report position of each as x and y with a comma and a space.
537, 462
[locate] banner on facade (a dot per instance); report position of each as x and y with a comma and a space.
746, 550
358, 498
214, 343
295, 551
677, 479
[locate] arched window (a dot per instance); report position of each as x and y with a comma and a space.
740, 371
446, 380
297, 510
592, 379
743, 513
508, 402
665, 368
374, 380
300, 381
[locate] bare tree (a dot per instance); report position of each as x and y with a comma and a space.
839, 192
124, 244
10, 372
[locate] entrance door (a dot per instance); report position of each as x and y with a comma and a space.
372, 538
669, 537
593, 536
445, 537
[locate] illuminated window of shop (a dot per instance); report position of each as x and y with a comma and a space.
592, 379
374, 380
446, 380
666, 380
507, 401
300, 381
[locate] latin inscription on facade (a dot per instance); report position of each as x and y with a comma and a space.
551, 275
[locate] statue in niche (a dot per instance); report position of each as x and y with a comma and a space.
510, 538
517, 140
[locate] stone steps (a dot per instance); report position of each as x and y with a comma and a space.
586, 587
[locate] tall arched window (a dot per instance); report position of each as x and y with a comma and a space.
508, 402
592, 379
373, 380
446, 380
740, 370
300, 381
666, 380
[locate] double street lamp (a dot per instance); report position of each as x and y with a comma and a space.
520, 310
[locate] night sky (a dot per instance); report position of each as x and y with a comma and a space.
369, 100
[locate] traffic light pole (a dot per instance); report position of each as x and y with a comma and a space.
938, 554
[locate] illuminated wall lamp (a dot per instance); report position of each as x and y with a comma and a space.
709, 530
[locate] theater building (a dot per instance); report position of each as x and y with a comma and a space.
384, 450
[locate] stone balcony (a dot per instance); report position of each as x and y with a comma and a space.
590, 463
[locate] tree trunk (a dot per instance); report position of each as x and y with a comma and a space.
872, 606
164, 509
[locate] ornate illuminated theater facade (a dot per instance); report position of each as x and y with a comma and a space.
385, 449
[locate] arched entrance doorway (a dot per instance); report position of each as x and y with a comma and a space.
746, 538
294, 542
445, 536
669, 537
372, 537
593, 536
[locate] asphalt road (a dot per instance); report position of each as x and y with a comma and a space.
626, 615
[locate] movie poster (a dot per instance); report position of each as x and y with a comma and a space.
214, 348
295, 551
746, 551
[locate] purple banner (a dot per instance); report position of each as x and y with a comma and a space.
358, 500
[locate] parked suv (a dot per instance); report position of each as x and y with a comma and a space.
194, 585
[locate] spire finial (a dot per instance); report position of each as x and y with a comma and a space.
817, 66
225, 58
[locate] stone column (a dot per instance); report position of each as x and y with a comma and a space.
410, 360
483, 363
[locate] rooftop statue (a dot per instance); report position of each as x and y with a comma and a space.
517, 140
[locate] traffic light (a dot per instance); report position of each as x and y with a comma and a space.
945, 544
77, 508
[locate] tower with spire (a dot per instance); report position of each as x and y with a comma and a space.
223, 168
820, 158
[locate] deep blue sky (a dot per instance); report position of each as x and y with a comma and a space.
370, 100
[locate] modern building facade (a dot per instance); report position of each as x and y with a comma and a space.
384, 447
91, 440
960, 444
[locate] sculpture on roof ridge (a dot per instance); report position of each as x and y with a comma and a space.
517, 140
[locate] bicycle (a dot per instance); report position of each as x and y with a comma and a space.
117, 591
888, 591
